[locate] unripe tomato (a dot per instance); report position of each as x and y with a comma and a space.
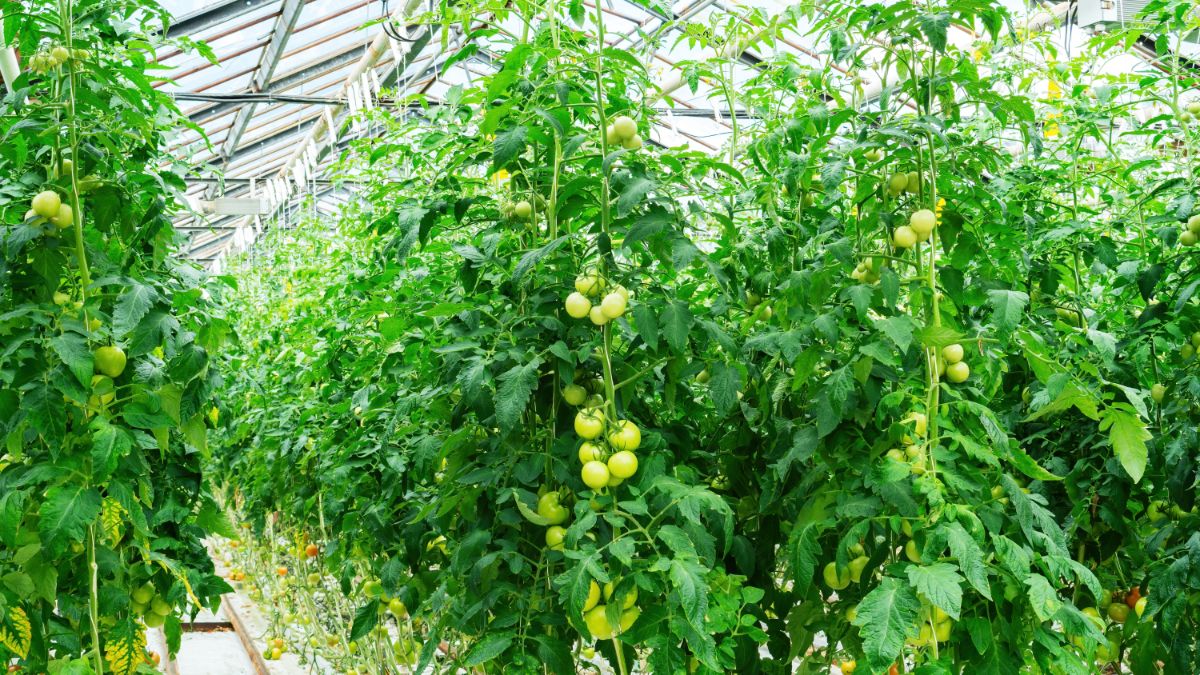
1188, 238
958, 372
110, 360
703, 376
596, 314
835, 578
952, 353
1158, 392
920, 423
597, 623
610, 135
595, 475
1118, 612
577, 305
941, 630
625, 435
904, 237
856, 568
590, 452
632, 143
613, 305
593, 596
555, 534
912, 552
912, 182
523, 209
65, 216
549, 508
922, 222
46, 203
629, 599
589, 283
574, 394
897, 182
588, 424
624, 127
628, 617
1139, 607
623, 464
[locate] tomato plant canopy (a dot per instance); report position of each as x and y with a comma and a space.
818, 337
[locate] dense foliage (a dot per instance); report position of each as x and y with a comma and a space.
104, 377
911, 367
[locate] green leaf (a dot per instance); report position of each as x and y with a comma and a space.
940, 584
109, 445
131, 307
645, 323
516, 385
12, 507
507, 146
633, 194
804, 550
1042, 597
724, 386
488, 648
65, 515
533, 257
970, 558
937, 337
899, 330
1128, 435
1007, 308
687, 577
365, 618
885, 617
934, 26
73, 350
676, 323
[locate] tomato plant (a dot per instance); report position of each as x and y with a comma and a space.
910, 367
104, 375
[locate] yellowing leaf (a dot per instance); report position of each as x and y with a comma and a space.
124, 649
17, 635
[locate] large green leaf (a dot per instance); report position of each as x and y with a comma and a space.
65, 515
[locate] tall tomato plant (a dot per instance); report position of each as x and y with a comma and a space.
104, 379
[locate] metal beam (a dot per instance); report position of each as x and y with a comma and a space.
228, 10
268, 61
283, 84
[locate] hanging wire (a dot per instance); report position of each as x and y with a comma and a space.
391, 30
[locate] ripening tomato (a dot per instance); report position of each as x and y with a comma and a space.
1132, 597
312, 550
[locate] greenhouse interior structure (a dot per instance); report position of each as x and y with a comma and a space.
382, 337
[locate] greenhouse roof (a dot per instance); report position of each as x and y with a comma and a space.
288, 70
